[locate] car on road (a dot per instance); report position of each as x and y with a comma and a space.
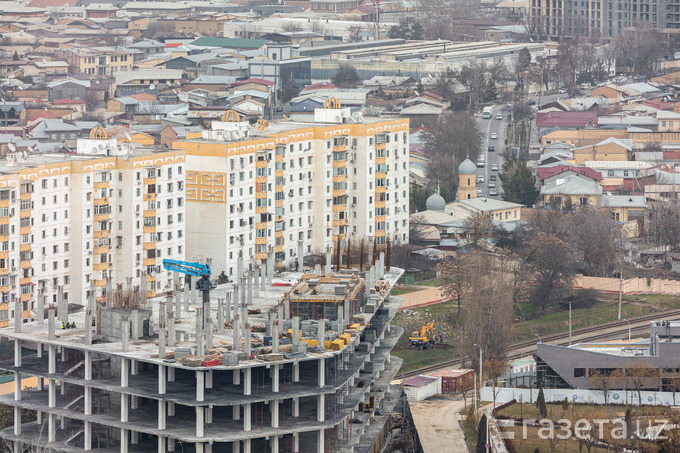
480, 179
494, 136
494, 167
491, 149
492, 177
499, 116
531, 102
480, 192
480, 163
491, 184
562, 91
493, 192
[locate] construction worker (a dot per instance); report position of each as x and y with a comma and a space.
62, 325
94, 322
73, 325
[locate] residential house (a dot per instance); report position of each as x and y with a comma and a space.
566, 120
10, 113
611, 149
169, 134
625, 208
54, 130
574, 189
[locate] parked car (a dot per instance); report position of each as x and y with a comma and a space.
494, 167
561, 91
492, 177
494, 136
493, 192
480, 192
491, 149
491, 184
480, 179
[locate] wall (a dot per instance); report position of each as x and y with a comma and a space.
630, 397
630, 286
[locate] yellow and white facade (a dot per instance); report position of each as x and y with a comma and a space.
110, 214
294, 182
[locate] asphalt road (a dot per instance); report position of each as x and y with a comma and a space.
488, 127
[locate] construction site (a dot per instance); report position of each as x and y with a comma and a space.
272, 362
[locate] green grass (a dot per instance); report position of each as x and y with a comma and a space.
444, 317
432, 282
555, 412
399, 290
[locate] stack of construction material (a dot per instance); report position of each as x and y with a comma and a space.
191, 360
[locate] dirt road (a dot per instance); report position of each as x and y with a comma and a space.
438, 426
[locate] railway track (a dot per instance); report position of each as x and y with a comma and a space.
609, 331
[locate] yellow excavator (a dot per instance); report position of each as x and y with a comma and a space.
423, 339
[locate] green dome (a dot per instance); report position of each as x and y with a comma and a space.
467, 168
435, 202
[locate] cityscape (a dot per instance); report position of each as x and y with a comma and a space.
339, 226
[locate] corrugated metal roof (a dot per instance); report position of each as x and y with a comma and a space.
419, 381
232, 43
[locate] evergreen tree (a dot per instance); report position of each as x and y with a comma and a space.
417, 197
416, 31
481, 435
519, 184
540, 403
15, 57
629, 423
222, 278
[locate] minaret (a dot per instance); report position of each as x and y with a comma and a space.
467, 180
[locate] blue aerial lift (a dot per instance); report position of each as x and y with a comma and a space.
203, 284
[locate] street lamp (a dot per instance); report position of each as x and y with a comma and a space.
539, 338
620, 290
628, 329
480, 376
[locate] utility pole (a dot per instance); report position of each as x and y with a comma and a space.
620, 291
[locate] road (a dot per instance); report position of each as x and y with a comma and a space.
438, 426
488, 127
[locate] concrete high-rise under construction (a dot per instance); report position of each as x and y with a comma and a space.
296, 363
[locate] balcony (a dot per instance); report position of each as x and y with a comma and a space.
100, 266
25, 264
101, 185
149, 245
99, 234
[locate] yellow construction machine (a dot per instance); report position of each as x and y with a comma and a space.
423, 339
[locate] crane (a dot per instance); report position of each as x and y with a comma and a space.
203, 284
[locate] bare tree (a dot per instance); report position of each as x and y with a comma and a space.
291, 27
355, 32
663, 224
605, 380
478, 227
318, 27
552, 261
639, 375
598, 239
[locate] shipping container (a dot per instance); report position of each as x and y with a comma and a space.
455, 381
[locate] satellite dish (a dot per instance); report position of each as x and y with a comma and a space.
152, 87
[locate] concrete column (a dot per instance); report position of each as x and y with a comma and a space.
270, 265
329, 259
200, 425
321, 333
296, 371
51, 428
296, 442
246, 446
244, 291
62, 313
237, 377
50, 323
236, 446
220, 316
209, 379
236, 411
275, 378
134, 437
134, 367
87, 441
244, 312
296, 329
208, 414
274, 409
17, 386
194, 291
200, 385
209, 334
172, 338
249, 288
247, 342
88, 328
88, 365
280, 312
321, 408
17, 421
263, 277
247, 380
124, 372
88, 400
41, 308
134, 402
275, 335
239, 265
236, 334
126, 334
246, 416
227, 303
274, 444
52, 393
17, 352
162, 409
124, 408
171, 374
123, 440
175, 293
161, 342
296, 407
320, 446
162, 379
171, 409
256, 282
161, 444
322, 372
186, 294
317, 269
134, 318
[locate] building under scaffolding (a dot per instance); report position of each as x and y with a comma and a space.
179, 375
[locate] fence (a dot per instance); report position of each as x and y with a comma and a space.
629, 286
625, 397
